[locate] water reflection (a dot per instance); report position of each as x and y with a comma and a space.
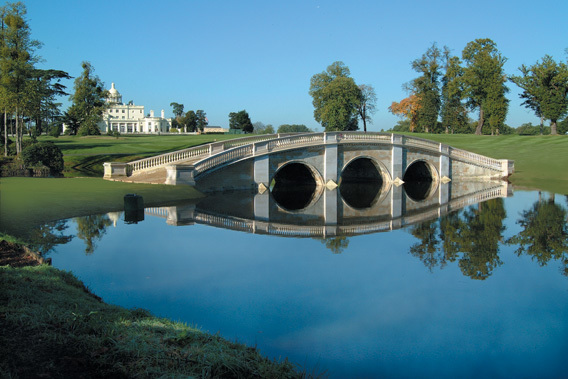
471, 237
545, 233
345, 299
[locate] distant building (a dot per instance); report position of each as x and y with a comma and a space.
214, 129
130, 118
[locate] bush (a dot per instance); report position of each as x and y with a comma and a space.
44, 154
55, 130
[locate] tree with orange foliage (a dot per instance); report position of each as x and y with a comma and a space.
408, 109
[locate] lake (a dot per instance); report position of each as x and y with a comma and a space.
480, 291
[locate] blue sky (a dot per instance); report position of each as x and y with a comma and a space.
225, 56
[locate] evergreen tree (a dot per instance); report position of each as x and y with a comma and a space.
17, 59
88, 101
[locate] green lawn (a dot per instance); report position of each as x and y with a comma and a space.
541, 162
84, 156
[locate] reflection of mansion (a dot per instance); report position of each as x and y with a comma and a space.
130, 118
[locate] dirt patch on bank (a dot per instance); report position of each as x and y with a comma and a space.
16, 255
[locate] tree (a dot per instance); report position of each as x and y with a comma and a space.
545, 233
545, 89
407, 109
240, 121
294, 128
46, 154
201, 120
177, 109
484, 83
336, 98
189, 121
17, 59
453, 111
88, 101
367, 105
260, 128
426, 87
47, 86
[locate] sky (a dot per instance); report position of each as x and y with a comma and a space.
226, 56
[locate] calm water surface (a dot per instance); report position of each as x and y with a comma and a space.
482, 292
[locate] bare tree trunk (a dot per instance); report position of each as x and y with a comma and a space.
18, 142
553, 127
479, 128
5, 135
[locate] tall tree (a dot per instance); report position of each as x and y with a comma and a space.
47, 87
484, 81
240, 121
545, 89
88, 101
453, 111
17, 59
177, 109
426, 86
201, 119
367, 105
336, 98
189, 121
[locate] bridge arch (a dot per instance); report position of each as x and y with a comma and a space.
296, 185
362, 182
420, 180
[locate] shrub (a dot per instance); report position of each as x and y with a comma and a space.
46, 154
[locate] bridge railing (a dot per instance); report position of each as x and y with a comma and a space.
266, 145
219, 153
195, 152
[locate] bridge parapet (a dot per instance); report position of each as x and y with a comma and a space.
178, 156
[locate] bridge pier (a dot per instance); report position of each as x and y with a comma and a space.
398, 161
180, 174
262, 170
330, 159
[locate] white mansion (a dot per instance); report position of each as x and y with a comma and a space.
130, 118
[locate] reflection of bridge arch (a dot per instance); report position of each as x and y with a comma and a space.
296, 185
420, 179
363, 181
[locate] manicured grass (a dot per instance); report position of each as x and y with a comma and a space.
30, 202
84, 156
541, 162
53, 327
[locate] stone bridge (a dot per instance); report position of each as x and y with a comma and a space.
327, 159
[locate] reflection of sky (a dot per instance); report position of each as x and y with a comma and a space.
372, 310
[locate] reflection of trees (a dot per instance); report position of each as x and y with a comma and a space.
481, 234
545, 233
47, 236
427, 249
92, 228
337, 244
473, 233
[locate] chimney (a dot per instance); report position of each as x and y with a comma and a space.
152, 113
163, 114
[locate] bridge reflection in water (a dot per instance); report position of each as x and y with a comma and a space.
355, 207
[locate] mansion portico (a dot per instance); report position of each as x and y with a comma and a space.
130, 118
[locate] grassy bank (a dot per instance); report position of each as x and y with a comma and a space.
53, 327
84, 156
30, 202
541, 162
